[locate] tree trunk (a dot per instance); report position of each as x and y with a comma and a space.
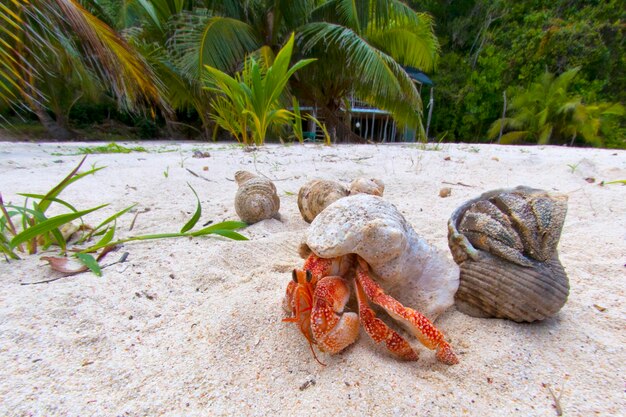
503, 116
340, 131
58, 130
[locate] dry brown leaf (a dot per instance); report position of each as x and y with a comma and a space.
65, 265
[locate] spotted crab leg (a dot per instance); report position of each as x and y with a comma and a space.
333, 329
380, 332
414, 321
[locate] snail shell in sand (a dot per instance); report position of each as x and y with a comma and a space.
256, 198
411, 270
364, 185
505, 242
316, 195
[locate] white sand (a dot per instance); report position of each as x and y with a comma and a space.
193, 326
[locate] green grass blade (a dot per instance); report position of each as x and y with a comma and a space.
53, 199
24, 210
196, 216
90, 262
71, 178
108, 237
227, 225
5, 248
4, 220
60, 240
56, 190
229, 234
112, 218
49, 225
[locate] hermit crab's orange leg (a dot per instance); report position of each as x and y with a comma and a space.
414, 321
333, 329
299, 302
380, 332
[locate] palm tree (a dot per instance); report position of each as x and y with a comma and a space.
361, 48
59, 43
546, 112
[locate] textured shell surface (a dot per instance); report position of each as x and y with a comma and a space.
407, 267
316, 195
364, 185
243, 176
256, 198
505, 242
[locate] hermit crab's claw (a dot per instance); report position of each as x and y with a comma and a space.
333, 329
414, 321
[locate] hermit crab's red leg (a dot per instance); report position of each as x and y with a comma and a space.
380, 332
414, 321
299, 301
332, 329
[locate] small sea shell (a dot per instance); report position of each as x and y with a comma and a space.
316, 195
411, 270
505, 242
256, 198
364, 185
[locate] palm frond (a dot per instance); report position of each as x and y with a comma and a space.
216, 41
45, 22
381, 81
409, 45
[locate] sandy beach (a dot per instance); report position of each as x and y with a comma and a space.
193, 327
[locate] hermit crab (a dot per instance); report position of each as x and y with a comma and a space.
365, 242
505, 242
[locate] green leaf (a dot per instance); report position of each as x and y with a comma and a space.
55, 191
56, 200
90, 262
108, 236
614, 182
112, 218
71, 178
49, 225
4, 248
229, 234
196, 216
223, 226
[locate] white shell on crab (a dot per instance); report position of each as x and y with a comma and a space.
410, 269
364, 185
256, 198
316, 195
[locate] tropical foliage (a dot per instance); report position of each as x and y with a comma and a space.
142, 62
55, 51
547, 112
252, 99
490, 47
361, 48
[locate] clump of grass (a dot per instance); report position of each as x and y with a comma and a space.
573, 167
110, 148
36, 231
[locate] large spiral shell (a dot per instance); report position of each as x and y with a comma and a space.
505, 242
256, 198
404, 264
